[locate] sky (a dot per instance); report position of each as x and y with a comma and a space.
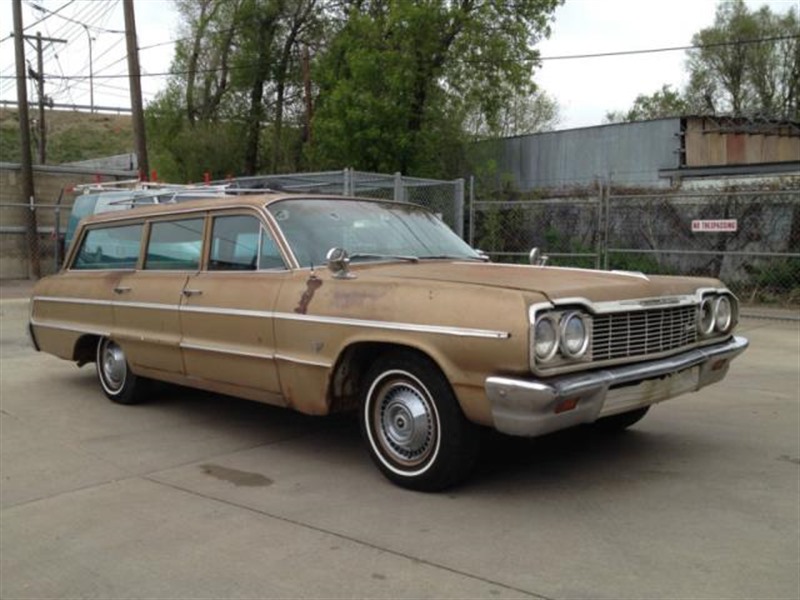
586, 89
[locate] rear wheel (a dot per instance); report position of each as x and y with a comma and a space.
412, 423
117, 380
621, 421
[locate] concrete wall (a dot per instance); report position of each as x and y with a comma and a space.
15, 212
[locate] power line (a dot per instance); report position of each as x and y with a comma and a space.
544, 58
672, 48
76, 22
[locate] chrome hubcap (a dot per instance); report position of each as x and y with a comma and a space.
407, 430
113, 365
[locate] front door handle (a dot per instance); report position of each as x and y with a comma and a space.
121, 290
188, 292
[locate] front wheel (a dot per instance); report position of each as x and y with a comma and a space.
118, 382
412, 423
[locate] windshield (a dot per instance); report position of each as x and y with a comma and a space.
375, 230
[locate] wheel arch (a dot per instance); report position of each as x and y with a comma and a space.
353, 362
85, 349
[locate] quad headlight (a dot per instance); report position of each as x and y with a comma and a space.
717, 315
560, 336
574, 335
545, 338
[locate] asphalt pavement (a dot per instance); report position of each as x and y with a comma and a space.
198, 496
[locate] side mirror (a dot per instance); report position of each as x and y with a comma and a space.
536, 258
339, 263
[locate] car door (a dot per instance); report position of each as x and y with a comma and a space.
226, 310
81, 301
147, 301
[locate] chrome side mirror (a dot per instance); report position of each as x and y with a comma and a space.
339, 263
536, 258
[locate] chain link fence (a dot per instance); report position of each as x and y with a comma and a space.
48, 212
445, 198
748, 238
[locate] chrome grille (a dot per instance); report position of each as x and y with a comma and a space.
644, 332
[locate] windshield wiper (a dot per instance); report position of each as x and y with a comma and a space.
453, 257
412, 259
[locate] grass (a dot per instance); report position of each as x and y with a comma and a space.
71, 135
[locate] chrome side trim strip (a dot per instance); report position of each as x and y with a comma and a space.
65, 327
437, 329
301, 361
223, 350
232, 312
71, 300
388, 325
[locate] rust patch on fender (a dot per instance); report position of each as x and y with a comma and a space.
312, 285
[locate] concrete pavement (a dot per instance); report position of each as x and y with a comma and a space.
196, 496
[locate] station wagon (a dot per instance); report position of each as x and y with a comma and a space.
323, 304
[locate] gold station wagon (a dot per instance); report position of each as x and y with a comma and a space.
326, 304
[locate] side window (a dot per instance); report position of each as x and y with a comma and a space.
175, 245
270, 255
110, 248
240, 243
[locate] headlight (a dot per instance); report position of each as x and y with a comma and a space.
545, 338
705, 317
574, 335
723, 314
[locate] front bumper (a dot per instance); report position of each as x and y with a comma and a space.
530, 407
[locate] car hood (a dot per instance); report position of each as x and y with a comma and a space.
555, 283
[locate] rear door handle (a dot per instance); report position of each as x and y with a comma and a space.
188, 292
121, 290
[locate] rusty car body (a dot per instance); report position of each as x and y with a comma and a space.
323, 304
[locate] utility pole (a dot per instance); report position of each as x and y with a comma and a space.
31, 234
137, 111
40, 81
91, 69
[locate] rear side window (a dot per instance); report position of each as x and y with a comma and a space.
240, 243
175, 245
110, 248
82, 207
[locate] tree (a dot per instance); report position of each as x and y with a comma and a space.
521, 114
399, 79
730, 74
237, 73
746, 64
388, 85
663, 103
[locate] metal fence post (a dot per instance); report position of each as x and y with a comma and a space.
398, 187
472, 210
605, 205
458, 207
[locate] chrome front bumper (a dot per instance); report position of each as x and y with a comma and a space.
530, 407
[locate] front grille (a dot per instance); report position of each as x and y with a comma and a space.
644, 332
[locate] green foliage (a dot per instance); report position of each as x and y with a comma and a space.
71, 136
728, 74
747, 78
662, 103
379, 85
638, 263
400, 79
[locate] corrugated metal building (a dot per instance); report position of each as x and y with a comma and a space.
652, 154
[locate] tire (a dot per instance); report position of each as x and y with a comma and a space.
621, 421
415, 430
119, 383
